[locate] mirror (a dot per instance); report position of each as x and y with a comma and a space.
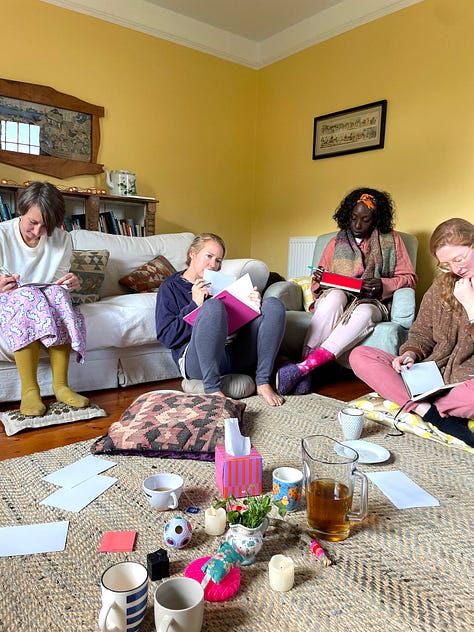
48, 132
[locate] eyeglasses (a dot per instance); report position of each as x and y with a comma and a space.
457, 261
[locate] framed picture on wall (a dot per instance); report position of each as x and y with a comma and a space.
47, 131
350, 131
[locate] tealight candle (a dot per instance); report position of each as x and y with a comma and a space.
281, 573
215, 521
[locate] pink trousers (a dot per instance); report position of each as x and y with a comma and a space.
324, 329
374, 367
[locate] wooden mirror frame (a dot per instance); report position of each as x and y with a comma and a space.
49, 165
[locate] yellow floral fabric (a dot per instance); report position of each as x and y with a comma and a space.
383, 411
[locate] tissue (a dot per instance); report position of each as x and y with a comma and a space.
235, 443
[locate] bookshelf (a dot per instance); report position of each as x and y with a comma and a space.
89, 207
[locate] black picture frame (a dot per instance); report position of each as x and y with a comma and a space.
350, 131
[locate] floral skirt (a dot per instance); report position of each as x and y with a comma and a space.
30, 313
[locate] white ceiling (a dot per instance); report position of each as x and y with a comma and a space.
254, 19
253, 33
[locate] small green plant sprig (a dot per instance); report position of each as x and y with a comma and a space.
251, 511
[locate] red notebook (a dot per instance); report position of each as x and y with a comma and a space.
240, 310
329, 279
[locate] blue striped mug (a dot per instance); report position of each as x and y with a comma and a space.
124, 589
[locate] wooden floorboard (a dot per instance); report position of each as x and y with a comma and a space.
336, 382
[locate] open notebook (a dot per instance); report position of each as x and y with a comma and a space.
240, 309
424, 380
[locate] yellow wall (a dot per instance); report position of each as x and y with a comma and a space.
420, 60
183, 121
228, 149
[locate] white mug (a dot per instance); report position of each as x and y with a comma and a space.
179, 605
163, 490
352, 422
124, 588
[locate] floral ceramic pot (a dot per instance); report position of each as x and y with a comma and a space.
246, 541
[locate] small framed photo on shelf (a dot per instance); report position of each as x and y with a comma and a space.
349, 131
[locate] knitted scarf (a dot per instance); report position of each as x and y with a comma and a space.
379, 262
380, 257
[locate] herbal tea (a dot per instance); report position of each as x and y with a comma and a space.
327, 505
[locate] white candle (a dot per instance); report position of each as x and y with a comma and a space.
281, 572
215, 521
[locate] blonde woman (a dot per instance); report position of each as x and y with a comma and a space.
204, 351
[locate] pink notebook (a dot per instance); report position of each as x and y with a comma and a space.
235, 298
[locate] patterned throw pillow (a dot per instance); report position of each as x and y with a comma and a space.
149, 276
171, 424
305, 285
89, 267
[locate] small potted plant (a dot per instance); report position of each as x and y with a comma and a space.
248, 522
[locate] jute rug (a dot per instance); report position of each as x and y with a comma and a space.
401, 570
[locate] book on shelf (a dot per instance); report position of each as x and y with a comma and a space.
423, 380
5, 213
111, 223
340, 281
235, 297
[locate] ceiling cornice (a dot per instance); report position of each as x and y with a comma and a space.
151, 19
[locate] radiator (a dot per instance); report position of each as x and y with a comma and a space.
300, 256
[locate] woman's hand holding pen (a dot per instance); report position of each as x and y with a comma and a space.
405, 360
8, 281
317, 274
200, 291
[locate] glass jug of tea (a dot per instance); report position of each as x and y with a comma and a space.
330, 474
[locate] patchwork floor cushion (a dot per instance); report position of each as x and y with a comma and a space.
171, 424
376, 408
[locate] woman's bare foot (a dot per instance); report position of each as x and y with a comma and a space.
269, 395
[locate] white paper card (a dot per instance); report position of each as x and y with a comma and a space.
218, 280
77, 472
33, 538
82, 494
401, 490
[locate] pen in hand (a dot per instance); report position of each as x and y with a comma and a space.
7, 273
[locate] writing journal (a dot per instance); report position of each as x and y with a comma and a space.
350, 284
423, 380
235, 297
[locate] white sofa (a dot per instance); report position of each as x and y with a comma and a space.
121, 339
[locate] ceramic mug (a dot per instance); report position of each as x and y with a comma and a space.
352, 423
288, 486
179, 605
124, 589
163, 490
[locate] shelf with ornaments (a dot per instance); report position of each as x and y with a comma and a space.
90, 208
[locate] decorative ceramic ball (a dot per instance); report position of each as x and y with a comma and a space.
177, 532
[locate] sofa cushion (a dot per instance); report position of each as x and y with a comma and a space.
149, 276
171, 424
305, 283
129, 253
89, 267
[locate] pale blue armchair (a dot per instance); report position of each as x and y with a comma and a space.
388, 335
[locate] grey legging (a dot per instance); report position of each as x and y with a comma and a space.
253, 350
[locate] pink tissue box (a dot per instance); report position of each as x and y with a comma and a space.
238, 476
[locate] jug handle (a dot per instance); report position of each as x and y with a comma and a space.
358, 516
108, 179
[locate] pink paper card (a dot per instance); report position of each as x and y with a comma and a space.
117, 541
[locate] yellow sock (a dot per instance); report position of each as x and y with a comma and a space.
27, 363
59, 359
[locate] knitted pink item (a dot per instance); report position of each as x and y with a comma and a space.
214, 592
316, 358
